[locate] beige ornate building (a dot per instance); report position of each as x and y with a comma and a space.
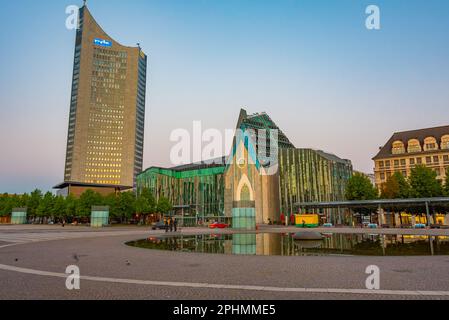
405, 150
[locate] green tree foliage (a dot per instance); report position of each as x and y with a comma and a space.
446, 185
145, 202
359, 187
59, 207
122, 205
164, 206
9, 202
424, 183
45, 206
88, 199
125, 205
111, 200
3, 204
70, 206
396, 187
33, 202
23, 200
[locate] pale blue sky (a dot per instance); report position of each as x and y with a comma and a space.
326, 80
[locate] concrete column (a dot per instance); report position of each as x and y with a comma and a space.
381, 215
397, 219
429, 220
413, 220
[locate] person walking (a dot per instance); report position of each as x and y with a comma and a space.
171, 224
175, 224
166, 224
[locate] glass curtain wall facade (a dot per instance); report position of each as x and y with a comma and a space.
195, 192
308, 175
304, 175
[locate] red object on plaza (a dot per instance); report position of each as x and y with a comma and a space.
218, 226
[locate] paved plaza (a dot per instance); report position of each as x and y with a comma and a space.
33, 261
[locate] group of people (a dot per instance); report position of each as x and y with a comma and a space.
171, 224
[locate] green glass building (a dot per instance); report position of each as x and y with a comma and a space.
242, 187
308, 175
194, 190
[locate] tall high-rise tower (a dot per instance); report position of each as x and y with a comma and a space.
107, 112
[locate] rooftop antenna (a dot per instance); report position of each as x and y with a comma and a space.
85, 2
138, 44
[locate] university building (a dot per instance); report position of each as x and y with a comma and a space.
107, 112
194, 190
405, 150
242, 186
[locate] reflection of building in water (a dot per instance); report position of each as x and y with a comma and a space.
244, 244
284, 244
269, 244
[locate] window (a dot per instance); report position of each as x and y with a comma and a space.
438, 171
403, 163
445, 142
428, 160
387, 163
396, 163
381, 164
382, 176
419, 160
436, 159
446, 158
430, 144
414, 146
412, 161
398, 147
404, 173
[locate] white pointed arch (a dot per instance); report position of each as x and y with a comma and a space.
244, 181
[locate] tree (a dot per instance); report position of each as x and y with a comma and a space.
164, 206
396, 187
33, 202
70, 206
359, 187
59, 207
424, 183
88, 199
111, 200
145, 202
3, 204
125, 205
446, 185
7, 203
45, 207
23, 200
